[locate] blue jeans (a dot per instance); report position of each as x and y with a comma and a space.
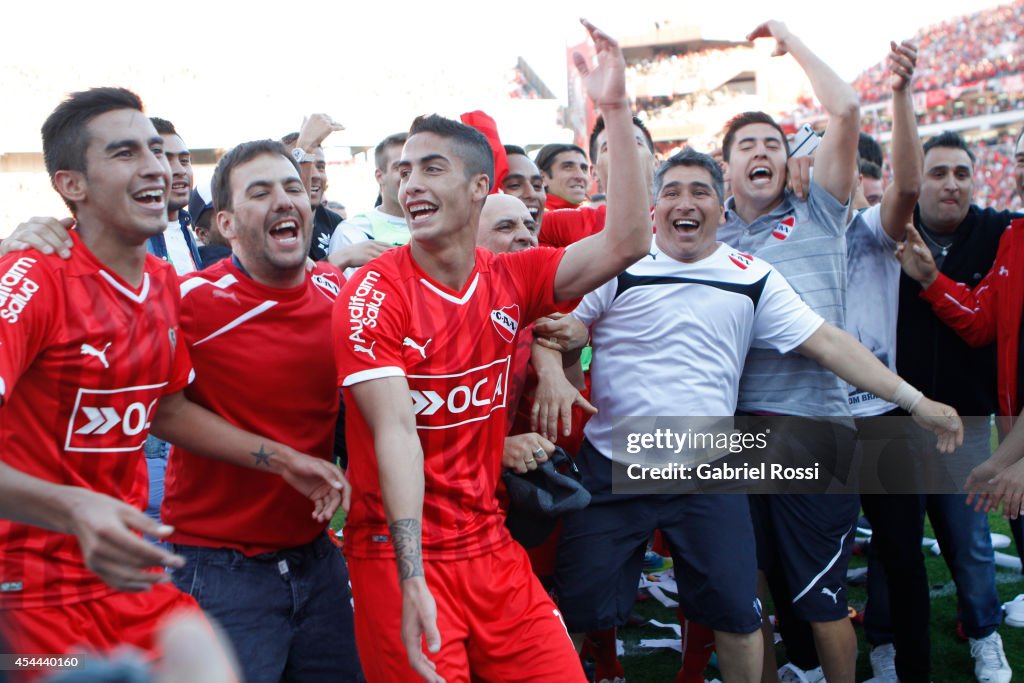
288, 614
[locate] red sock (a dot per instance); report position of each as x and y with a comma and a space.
698, 644
600, 646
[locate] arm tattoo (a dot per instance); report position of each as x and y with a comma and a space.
262, 456
405, 536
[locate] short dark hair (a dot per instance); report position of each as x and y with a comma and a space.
470, 144
870, 169
65, 131
290, 139
691, 157
65, 137
515, 149
869, 149
949, 139
246, 151
546, 155
393, 140
163, 126
745, 119
599, 128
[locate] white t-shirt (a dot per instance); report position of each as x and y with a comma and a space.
670, 338
178, 252
361, 228
873, 285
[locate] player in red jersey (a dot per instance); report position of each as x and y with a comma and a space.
87, 348
92, 346
437, 320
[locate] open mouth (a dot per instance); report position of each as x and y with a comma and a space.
761, 175
286, 231
686, 225
420, 210
179, 187
534, 211
151, 198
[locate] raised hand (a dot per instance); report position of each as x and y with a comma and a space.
773, 29
902, 60
606, 83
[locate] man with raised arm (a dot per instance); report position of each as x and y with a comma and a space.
803, 240
437, 320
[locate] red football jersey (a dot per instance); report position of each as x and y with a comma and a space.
264, 363
84, 360
567, 226
455, 349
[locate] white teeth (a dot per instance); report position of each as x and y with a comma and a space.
420, 207
287, 225
684, 224
151, 193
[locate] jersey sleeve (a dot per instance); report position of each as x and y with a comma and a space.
369, 322
595, 303
182, 372
826, 210
31, 308
554, 227
533, 272
782, 321
872, 218
972, 313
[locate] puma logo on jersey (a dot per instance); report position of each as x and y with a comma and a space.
834, 596
1004, 271
784, 229
422, 349
221, 294
88, 350
368, 350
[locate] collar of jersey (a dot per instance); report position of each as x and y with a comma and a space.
764, 221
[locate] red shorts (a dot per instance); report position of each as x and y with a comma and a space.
494, 618
94, 626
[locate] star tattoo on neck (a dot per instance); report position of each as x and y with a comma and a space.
262, 456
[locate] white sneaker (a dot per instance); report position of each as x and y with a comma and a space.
883, 663
1014, 611
990, 665
791, 673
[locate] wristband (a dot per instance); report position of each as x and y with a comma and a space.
906, 396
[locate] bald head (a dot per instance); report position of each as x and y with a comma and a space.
506, 225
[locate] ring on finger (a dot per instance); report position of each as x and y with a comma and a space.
538, 453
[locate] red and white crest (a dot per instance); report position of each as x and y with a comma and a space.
784, 229
506, 321
741, 260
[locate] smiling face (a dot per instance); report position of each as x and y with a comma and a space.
687, 213
318, 178
525, 182
757, 166
568, 177
180, 160
124, 188
506, 225
947, 188
437, 198
269, 224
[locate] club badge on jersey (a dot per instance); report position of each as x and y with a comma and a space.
741, 260
506, 321
784, 229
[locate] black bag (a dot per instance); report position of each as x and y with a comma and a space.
538, 497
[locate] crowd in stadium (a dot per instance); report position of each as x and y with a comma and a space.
226, 369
